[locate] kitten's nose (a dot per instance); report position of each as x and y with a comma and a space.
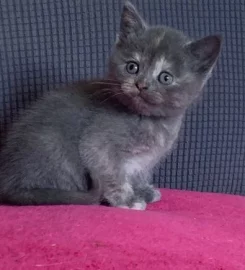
141, 86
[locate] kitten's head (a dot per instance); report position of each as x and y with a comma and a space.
161, 71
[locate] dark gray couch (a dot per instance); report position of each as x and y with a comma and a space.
44, 43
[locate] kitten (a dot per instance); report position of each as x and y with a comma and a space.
99, 140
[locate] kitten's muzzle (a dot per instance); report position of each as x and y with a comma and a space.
142, 86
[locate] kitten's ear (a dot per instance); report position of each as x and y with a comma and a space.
131, 21
205, 52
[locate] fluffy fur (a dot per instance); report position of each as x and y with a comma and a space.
99, 140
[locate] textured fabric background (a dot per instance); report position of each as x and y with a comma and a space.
44, 43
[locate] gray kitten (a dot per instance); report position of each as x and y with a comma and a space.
99, 140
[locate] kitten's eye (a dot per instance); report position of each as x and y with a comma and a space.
132, 67
165, 78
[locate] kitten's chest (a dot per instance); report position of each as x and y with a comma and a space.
145, 156
145, 160
139, 163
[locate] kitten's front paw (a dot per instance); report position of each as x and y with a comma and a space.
157, 196
138, 205
120, 196
149, 194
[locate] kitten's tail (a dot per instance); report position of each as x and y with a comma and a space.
53, 196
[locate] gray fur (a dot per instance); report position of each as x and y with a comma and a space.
99, 140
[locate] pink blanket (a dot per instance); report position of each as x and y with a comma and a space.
186, 230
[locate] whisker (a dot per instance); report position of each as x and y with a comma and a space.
101, 91
111, 80
125, 83
111, 84
106, 83
110, 97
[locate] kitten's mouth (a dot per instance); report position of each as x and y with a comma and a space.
147, 97
150, 97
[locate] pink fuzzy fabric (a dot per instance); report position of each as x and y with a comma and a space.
186, 230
